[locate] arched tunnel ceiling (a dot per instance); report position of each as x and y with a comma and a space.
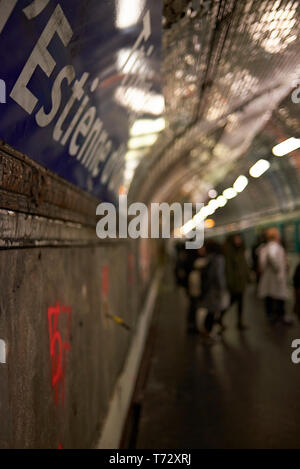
229, 68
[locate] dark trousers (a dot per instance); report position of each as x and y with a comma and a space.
192, 311
235, 298
209, 320
275, 308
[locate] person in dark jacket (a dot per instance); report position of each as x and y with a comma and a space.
260, 242
213, 284
237, 273
194, 286
184, 264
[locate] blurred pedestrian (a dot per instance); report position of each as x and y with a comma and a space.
194, 287
184, 262
213, 286
260, 242
273, 281
237, 274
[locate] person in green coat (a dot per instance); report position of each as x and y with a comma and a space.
237, 273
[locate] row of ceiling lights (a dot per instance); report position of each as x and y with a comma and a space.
257, 170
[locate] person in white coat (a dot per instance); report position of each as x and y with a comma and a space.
273, 280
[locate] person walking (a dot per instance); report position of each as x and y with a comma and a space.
194, 287
237, 274
273, 281
260, 242
213, 285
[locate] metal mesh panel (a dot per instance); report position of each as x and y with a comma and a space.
227, 66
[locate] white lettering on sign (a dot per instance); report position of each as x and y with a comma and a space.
2, 92
82, 129
6, 9
31, 11
78, 93
35, 8
296, 353
88, 141
42, 118
108, 170
2, 351
41, 57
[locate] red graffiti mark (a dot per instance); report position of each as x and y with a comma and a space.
60, 446
59, 322
105, 281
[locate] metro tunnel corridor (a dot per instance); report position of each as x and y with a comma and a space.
240, 391
149, 184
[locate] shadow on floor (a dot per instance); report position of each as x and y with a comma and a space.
241, 392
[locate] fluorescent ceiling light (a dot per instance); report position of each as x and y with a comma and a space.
131, 62
204, 211
189, 226
230, 193
141, 142
210, 210
286, 147
147, 126
198, 218
222, 201
260, 167
240, 184
128, 12
213, 204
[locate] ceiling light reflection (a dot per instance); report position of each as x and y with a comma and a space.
147, 126
135, 154
131, 62
128, 12
140, 101
142, 142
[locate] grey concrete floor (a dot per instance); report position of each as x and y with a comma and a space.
242, 392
